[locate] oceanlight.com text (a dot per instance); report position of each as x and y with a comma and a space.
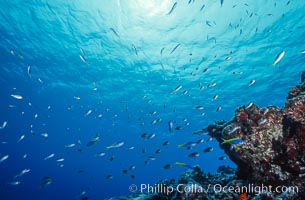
255, 189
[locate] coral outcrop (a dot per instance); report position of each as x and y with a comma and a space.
273, 148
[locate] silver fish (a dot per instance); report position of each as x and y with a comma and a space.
101, 154
199, 107
29, 68
212, 85
70, 145
278, 58
3, 125
49, 156
115, 33
153, 121
228, 58
249, 106
4, 158
172, 9
251, 82
40, 81
17, 96
262, 121
176, 89
209, 139
222, 158
115, 145
192, 155
14, 183
215, 97
174, 49
161, 51
21, 138
221, 2
88, 112
170, 125
233, 130
82, 51
208, 149
60, 160
83, 59
24, 171
218, 109
134, 49
208, 23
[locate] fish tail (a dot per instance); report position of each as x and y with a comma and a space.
180, 145
224, 141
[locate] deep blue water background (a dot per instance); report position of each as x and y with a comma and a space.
48, 35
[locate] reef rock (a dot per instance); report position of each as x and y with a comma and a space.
261, 132
272, 151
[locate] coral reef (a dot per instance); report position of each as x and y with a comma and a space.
273, 148
260, 129
268, 146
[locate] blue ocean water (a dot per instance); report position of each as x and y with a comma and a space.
82, 69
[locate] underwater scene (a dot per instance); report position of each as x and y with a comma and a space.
152, 99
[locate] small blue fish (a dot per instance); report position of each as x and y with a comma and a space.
237, 142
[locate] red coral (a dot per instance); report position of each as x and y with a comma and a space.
241, 116
301, 139
290, 146
293, 92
